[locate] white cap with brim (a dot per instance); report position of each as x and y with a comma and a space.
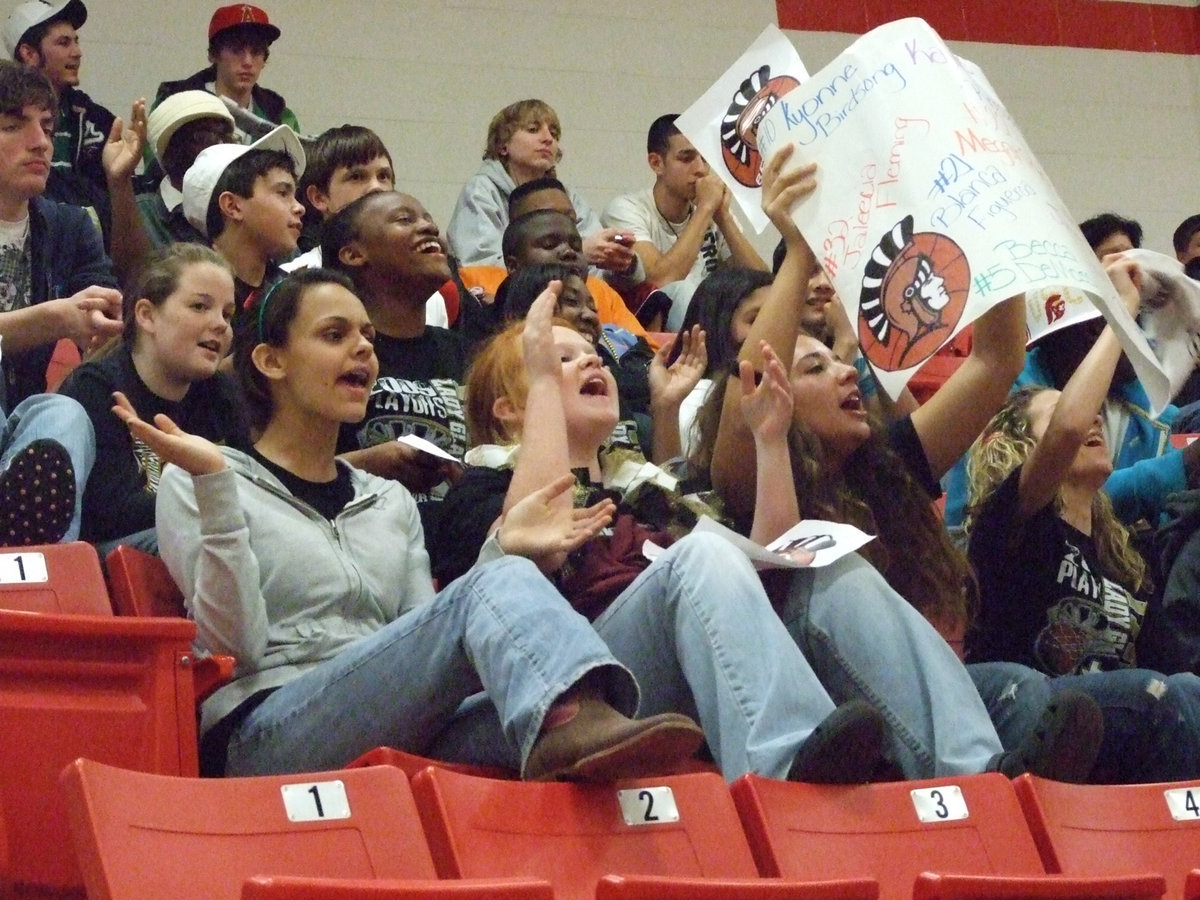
201, 179
179, 109
35, 12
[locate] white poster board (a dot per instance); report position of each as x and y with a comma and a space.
930, 207
723, 124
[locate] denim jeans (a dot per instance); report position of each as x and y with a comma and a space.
1151, 721
501, 625
701, 637
699, 634
58, 418
865, 640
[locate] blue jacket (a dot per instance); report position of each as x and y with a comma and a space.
1145, 467
67, 256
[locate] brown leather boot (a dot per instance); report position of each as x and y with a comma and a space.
591, 741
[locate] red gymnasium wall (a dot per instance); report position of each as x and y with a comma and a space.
1094, 24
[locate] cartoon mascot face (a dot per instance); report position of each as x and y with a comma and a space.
739, 129
914, 290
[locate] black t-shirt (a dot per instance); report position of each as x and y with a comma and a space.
328, 498
1044, 600
418, 392
119, 497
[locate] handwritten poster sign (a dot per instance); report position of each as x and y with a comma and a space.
931, 208
723, 124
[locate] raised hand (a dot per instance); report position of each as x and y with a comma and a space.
782, 190
767, 406
537, 340
670, 385
123, 149
172, 444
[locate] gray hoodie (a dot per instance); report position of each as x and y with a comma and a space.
272, 582
481, 215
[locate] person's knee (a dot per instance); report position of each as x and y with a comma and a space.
507, 568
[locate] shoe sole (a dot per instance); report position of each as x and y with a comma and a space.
1070, 743
654, 751
37, 495
846, 748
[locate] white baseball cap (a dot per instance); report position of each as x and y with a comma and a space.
35, 12
201, 179
179, 109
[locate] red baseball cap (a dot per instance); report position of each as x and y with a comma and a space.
242, 15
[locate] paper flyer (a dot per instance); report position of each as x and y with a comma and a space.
931, 208
723, 123
809, 544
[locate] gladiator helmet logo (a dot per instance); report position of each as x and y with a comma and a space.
914, 290
739, 129
1056, 308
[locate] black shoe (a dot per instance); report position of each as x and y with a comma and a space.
1063, 745
846, 748
37, 495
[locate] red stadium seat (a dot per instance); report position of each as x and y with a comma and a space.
54, 578
681, 828
1117, 829
293, 888
141, 836
959, 837
113, 689
141, 585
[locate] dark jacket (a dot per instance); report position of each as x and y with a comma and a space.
67, 256
1170, 640
268, 101
84, 125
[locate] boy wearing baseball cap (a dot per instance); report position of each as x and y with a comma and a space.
43, 34
243, 200
178, 130
239, 44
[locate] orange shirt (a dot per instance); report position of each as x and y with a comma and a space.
609, 306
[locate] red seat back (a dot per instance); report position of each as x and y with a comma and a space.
54, 578
113, 689
140, 835
1115, 829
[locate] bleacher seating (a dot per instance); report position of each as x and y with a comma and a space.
960, 837
295, 888
141, 836
141, 585
681, 828
1117, 829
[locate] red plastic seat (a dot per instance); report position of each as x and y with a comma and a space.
682, 828
142, 836
410, 764
293, 888
113, 689
958, 837
141, 585
53, 578
1116, 829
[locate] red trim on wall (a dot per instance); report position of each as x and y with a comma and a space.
1097, 24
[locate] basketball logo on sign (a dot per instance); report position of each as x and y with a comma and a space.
739, 129
914, 290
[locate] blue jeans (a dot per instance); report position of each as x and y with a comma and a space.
699, 634
865, 640
1151, 721
502, 624
57, 418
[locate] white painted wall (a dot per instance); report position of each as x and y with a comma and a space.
1115, 130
